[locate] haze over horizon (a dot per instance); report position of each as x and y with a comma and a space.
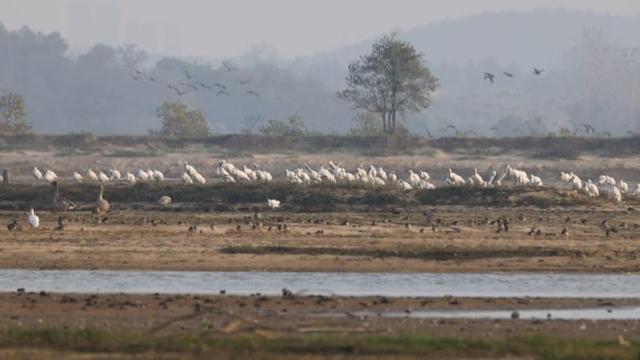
72, 82
285, 28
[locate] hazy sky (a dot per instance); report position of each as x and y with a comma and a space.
221, 28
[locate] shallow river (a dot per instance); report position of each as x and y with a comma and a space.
601, 313
385, 284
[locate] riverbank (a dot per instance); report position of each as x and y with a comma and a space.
126, 325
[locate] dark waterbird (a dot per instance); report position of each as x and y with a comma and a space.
489, 76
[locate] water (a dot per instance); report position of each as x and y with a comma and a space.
621, 313
347, 284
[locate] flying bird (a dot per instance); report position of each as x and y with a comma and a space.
443, 130
251, 92
177, 90
508, 74
244, 82
489, 76
135, 76
228, 66
203, 85
189, 85
222, 92
429, 134
220, 86
187, 74
588, 128
537, 72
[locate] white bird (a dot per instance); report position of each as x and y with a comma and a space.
404, 185
326, 174
241, 175
393, 177
305, 177
498, 182
414, 179
606, 180
624, 187
228, 178
158, 175
476, 179
142, 175
165, 200
535, 181
615, 194
336, 169
591, 189
250, 173
575, 182
373, 172
77, 177
273, 203
225, 176
455, 179
92, 175
131, 179
492, 179
520, 177
115, 174
50, 176
187, 179
33, 219
313, 175
103, 177
262, 175
382, 174
425, 185
227, 166
189, 169
199, 178
425, 176
636, 191
37, 174
292, 177
378, 181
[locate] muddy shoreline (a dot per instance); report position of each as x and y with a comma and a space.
222, 314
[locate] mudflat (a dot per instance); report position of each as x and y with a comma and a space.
424, 239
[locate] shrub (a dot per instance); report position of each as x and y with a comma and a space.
294, 127
179, 121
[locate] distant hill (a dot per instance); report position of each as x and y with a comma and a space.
527, 38
95, 91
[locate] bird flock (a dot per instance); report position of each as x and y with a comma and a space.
491, 76
606, 185
413, 179
191, 84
